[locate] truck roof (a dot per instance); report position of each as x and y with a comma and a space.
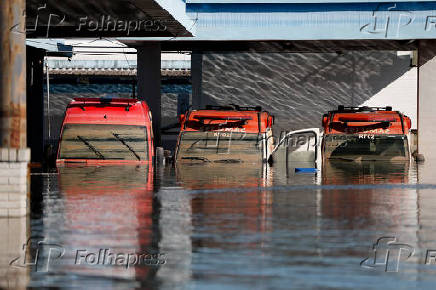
243, 120
107, 111
369, 120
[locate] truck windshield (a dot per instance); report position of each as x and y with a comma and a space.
369, 147
104, 141
225, 147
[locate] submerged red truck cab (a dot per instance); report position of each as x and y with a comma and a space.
106, 131
366, 133
225, 134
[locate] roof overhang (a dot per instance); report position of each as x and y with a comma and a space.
293, 1
51, 47
301, 20
102, 18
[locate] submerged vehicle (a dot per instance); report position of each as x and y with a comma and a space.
225, 134
106, 130
366, 133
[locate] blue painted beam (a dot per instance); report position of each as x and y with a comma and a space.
404, 20
348, 20
295, 1
265, 8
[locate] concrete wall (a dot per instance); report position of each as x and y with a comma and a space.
401, 94
299, 87
427, 98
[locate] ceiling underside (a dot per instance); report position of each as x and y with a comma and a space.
100, 18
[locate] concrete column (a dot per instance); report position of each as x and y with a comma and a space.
35, 103
426, 139
196, 79
149, 79
12, 74
13, 153
427, 98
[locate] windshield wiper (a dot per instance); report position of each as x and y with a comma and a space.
197, 158
127, 145
228, 161
98, 153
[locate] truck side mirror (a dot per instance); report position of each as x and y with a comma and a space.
408, 122
270, 121
324, 120
181, 118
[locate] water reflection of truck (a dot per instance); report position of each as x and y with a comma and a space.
250, 209
225, 134
107, 207
106, 130
363, 207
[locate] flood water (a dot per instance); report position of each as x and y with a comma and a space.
234, 227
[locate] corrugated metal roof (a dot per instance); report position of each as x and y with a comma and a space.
114, 72
104, 55
112, 64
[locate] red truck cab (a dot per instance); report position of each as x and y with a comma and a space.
366, 133
225, 134
106, 131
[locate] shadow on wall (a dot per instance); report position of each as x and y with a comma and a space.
298, 88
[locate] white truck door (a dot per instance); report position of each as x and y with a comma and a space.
300, 147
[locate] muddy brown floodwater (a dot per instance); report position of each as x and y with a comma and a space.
235, 226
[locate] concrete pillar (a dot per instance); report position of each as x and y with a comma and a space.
13, 153
196, 79
426, 139
427, 98
12, 75
182, 103
149, 79
35, 102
